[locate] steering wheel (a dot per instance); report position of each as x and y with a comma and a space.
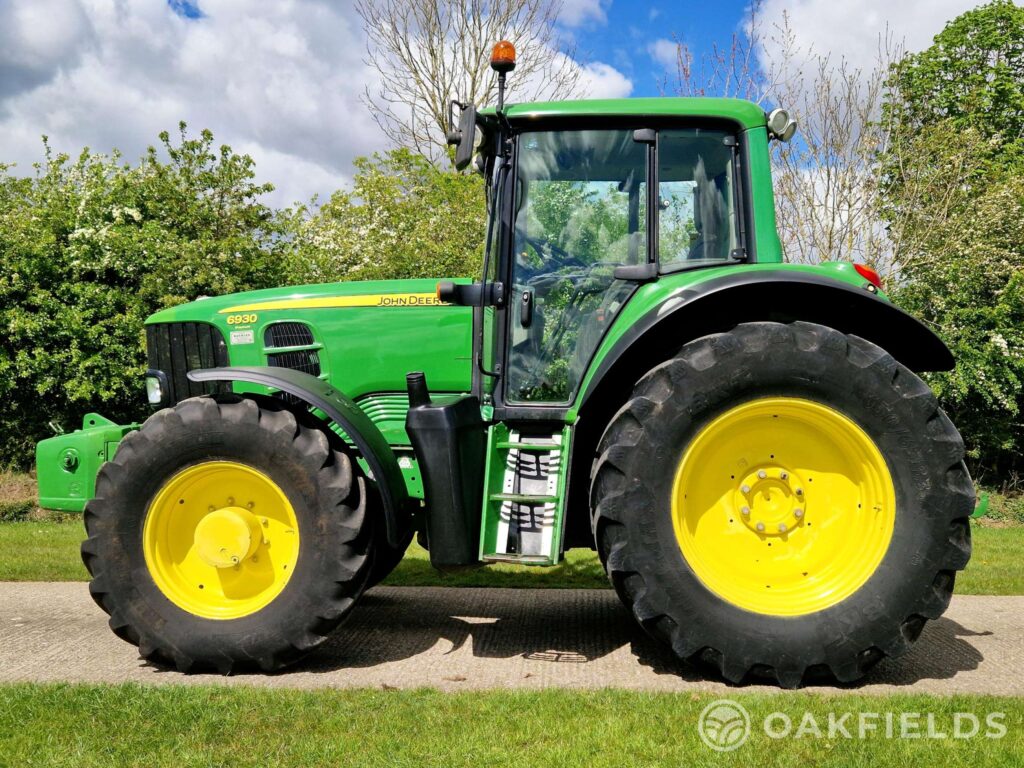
555, 257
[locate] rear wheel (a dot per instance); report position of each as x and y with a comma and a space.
782, 500
228, 533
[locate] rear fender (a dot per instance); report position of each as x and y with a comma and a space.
783, 296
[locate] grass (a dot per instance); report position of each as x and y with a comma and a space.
47, 550
995, 567
1005, 510
17, 495
84, 726
34, 550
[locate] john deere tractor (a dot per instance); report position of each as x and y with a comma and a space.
746, 443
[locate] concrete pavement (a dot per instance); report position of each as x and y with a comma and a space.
456, 639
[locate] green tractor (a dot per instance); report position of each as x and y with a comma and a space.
773, 491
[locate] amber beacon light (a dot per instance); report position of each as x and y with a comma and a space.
503, 57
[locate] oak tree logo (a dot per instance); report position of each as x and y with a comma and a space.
724, 725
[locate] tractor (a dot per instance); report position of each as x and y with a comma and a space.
772, 489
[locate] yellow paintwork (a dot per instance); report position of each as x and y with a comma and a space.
246, 319
227, 536
220, 540
332, 302
783, 506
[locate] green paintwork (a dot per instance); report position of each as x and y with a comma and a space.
746, 113
365, 350
982, 507
652, 295
66, 465
499, 445
369, 335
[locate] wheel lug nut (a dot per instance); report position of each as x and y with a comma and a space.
211, 508
265, 522
783, 475
762, 474
798, 513
231, 501
799, 491
745, 511
745, 488
782, 528
760, 526
250, 505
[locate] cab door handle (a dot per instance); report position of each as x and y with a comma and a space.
526, 308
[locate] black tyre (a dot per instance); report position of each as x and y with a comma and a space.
226, 534
695, 550
386, 559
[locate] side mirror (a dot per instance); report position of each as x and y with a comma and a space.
463, 138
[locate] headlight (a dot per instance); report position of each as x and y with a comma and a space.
156, 387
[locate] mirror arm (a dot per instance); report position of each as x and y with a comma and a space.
472, 294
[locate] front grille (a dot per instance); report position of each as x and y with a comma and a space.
177, 348
305, 360
288, 335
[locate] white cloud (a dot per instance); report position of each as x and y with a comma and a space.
37, 39
664, 52
576, 13
852, 30
281, 81
602, 81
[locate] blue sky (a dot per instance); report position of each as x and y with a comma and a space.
284, 80
633, 26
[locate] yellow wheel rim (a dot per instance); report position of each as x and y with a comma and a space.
221, 540
783, 506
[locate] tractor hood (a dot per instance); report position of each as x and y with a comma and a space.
370, 293
363, 337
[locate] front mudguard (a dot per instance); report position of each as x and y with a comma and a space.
344, 412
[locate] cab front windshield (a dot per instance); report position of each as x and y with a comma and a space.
581, 210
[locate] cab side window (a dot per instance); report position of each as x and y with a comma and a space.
697, 214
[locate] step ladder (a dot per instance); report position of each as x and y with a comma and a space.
524, 496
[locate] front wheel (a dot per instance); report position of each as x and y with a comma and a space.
228, 533
782, 501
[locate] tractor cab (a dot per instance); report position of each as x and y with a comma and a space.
586, 206
592, 214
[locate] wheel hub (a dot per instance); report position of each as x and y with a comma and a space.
227, 536
221, 539
740, 512
770, 500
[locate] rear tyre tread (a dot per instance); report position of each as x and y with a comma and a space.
637, 420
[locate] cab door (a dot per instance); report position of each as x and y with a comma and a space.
579, 211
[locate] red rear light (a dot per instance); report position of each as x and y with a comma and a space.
869, 274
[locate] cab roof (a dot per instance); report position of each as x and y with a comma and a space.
746, 113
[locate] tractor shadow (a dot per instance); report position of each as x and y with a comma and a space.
571, 627
943, 650
543, 625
